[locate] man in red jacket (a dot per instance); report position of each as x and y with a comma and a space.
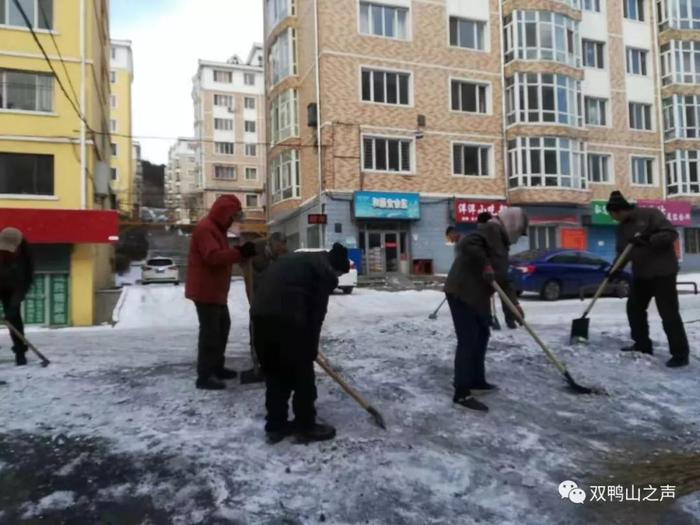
209, 266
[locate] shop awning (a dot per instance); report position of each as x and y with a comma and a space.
63, 226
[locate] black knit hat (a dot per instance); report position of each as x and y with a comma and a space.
617, 202
483, 217
338, 257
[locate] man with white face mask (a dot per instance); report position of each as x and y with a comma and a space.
482, 258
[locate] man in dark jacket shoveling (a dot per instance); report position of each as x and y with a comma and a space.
482, 258
288, 311
655, 270
209, 267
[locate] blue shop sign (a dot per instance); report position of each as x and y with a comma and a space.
373, 205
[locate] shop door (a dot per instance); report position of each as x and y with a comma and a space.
391, 252
375, 253
46, 304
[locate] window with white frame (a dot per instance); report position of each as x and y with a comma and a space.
593, 54
591, 5
113, 51
633, 9
224, 148
249, 79
386, 87
542, 237
278, 10
682, 117
636, 61
223, 124
224, 77
284, 118
387, 21
471, 160
113, 126
251, 200
284, 176
282, 56
113, 101
543, 98
469, 97
249, 126
225, 172
550, 162
468, 34
596, 111
225, 101
680, 62
249, 103
251, 150
387, 154
642, 171
112, 77
26, 91
599, 168
640, 116
683, 172
39, 13
679, 14
542, 35
251, 174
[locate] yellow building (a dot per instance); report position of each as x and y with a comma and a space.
121, 76
55, 151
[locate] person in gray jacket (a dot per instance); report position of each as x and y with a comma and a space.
482, 258
655, 271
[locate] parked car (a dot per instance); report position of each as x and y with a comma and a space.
346, 282
160, 270
558, 273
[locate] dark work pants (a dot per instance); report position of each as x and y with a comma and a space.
663, 290
288, 370
214, 327
473, 332
13, 314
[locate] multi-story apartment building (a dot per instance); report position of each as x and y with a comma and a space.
429, 111
138, 177
54, 151
121, 77
229, 104
182, 193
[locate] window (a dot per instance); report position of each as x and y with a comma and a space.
682, 117
114, 53
284, 171
225, 101
39, 12
284, 120
113, 77
680, 62
386, 154
550, 162
251, 174
542, 35
249, 79
543, 98
642, 171
542, 237
223, 124
591, 5
633, 9
640, 116
224, 77
113, 148
22, 174
113, 126
282, 56
224, 148
692, 241
249, 126
636, 61
251, 150
26, 91
468, 34
596, 111
383, 20
385, 87
249, 103
593, 54
225, 172
679, 14
471, 160
683, 172
470, 97
114, 173
598, 168
564, 258
278, 10
251, 200
113, 101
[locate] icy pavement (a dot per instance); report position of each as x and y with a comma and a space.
113, 430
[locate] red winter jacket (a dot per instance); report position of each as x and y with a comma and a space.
210, 260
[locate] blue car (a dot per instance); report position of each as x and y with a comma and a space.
559, 273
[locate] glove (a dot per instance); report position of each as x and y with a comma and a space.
640, 240
488, 274
247, 250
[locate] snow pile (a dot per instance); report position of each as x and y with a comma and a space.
55, 501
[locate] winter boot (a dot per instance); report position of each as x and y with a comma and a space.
677, 362
511, 323
20, 358
226, 373
276, 435
470, 402
209, 383
483, 388
251, 376
316, 432
633, 348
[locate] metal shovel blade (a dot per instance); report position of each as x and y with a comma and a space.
378, 419
579, 330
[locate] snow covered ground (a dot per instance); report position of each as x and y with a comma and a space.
113, 430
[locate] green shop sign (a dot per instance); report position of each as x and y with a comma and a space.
601, 217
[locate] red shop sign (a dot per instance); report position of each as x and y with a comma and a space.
467, 211
678, 212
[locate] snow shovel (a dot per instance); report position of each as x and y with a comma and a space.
44, 362
579, 327
323, 363
433, 316
495, 323
560, 366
